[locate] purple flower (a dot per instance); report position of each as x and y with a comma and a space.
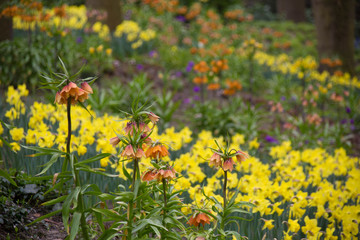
127, 15
352, 121
180, 18
283, 98
153, 53
270, 139
178, 74
190, 66
344, 121
186, 101
348, 110
196, 98
196, 89
79, 40
139, 67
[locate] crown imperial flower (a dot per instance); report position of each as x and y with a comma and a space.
241, 156
153, 117
228, 164
73, 92
215, 160
199, 218
157, 151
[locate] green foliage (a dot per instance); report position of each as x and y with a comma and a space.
232, 117
165, 107
17, 199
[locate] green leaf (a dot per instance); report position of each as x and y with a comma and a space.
124, 196
93, 159
45, 151
112, 215
6, 143
54, 201
47, 165
95, 170
156, 231
144, 222
231, 210
126, 173
45, 216
8, 126
109, 234
66, 207
64, 67
72, 160
75, 225
99, 219
83, 106
93, 186
7, 177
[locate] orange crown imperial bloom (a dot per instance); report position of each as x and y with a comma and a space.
86, 87
241, 156
157, 151
228, 164
200, 218
167, 174
128, 152
215, 160
149, 175
213, 86
140, 153
114, 141
153, 117
74, 92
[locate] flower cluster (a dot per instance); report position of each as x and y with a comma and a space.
74, 93
284, 64
133, 33
297, 188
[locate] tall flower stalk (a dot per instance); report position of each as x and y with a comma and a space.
71, 94
223, 158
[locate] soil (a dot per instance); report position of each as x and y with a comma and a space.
51, 228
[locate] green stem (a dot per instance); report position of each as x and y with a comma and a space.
165, 200
76, 177
136, 175
69, 128
224, 189
164, 189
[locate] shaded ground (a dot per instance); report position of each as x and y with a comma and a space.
47, 229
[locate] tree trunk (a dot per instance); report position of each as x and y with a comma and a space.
335, 30
113, 9
293, 10
6, 32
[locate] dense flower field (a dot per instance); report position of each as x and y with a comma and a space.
308, 193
